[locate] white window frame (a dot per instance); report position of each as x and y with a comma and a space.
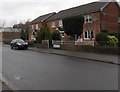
36, 26
52, 24
32, 26
88, 17
61, 33
88, 33
85, 18
60, 23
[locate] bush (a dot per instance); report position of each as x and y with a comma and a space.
47, 34
117, 35
56, 35
113, 41
40, 35
24, 34
43, 34
102, 39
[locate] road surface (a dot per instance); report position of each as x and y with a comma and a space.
30, 70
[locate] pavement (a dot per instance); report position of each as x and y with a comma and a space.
113, 59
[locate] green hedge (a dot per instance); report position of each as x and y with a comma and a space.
102, 38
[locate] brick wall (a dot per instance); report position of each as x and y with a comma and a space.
8, 36
109, 17
34, 28
52, 29
94, 25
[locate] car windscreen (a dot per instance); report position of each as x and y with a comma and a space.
20, 41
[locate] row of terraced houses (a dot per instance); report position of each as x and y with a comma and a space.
97, 16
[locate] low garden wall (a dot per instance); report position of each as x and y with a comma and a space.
84, 48
95, 49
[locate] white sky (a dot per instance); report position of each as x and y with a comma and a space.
15, 11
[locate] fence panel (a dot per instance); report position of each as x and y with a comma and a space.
58, 42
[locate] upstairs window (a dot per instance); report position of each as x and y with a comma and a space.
32, 26
53, 24
60, 23
36, 26
87, 18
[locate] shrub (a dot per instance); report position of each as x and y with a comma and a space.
113, 41
40, 35
43, 34
24, 34
117, 35
47, 34
56, 35
102, 39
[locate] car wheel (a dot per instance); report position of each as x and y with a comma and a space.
17, 47
14, 48
26, 48
11, 47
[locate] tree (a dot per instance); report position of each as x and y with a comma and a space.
43, 34
47, 34
73, 25
40, 35
56, 35
23, 35
2, 23
25, 29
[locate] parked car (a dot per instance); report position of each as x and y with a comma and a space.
18, 44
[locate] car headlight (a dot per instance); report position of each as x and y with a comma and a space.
19, 44
26, 43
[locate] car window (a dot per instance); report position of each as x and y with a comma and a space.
20, 41
13, 41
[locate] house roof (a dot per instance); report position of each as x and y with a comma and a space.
87, 8
42, 18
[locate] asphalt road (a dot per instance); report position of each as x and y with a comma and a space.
30, 70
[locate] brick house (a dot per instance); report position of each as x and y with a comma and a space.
97, 16
37, 23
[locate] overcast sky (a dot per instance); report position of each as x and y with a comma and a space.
15, 11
